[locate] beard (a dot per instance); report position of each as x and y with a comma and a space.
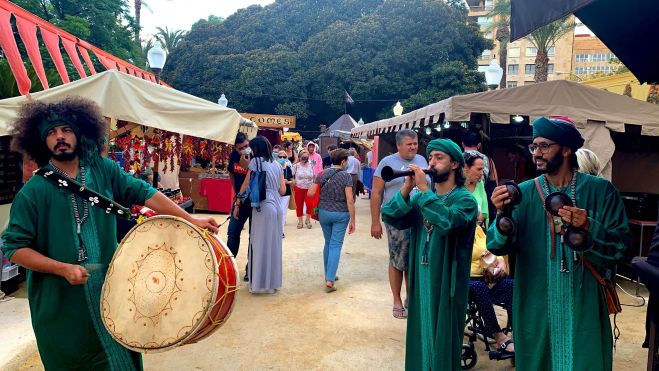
441, 176
552, 164
65, 156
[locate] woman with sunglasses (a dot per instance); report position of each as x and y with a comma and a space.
287, 169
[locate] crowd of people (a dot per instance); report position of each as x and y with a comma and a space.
442, 223
290, 184
446, 249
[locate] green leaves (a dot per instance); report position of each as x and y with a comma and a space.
102, 23
297, 57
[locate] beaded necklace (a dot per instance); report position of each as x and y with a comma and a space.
82, 250
559, 226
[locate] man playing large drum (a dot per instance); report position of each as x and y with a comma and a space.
55, 234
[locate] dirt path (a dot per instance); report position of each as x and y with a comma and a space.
303, 328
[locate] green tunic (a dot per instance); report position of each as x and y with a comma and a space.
66, 318
438, 290
560, 320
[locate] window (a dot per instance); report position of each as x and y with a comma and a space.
513, 52
487, 54
529, 69
511, 84
531, 52
551, 51
513, 69
489, 4
581, 57
484, 21
589, 70
550, 68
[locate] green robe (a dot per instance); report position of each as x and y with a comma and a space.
66, 318
560, 320
438, 291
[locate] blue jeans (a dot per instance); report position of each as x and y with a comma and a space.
334, 225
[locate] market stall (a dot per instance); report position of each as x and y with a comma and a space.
271, 126
622, 131
345, 123
145, 112
599, 116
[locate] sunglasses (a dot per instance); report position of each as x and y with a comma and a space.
283, 157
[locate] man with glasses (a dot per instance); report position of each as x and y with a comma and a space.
238, 162
560, 315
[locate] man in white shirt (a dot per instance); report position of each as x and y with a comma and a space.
407, 143
353, 169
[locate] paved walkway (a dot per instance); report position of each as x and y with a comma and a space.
304, 328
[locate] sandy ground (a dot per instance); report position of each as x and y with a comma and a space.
304, 328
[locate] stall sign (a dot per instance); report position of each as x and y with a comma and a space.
271, 121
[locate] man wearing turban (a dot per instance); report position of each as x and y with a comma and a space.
560, 317
442, 219
58, 236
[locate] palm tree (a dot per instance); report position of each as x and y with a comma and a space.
138, 4
9, 87
169, 39
500, 13
543, 38
145, 50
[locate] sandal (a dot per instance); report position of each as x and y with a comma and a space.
503, 347
399, 312
299, 225
329, 289
308, 225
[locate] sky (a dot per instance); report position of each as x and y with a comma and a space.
181, 14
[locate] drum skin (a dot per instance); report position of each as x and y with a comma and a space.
169, 284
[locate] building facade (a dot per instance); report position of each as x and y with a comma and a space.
591, 57
520, 63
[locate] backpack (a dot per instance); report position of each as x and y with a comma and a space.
256, 187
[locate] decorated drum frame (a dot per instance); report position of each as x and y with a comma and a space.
216, 305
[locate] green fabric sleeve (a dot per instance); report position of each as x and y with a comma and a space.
127, 189
608, 226
458, 216
397, 212
22, 229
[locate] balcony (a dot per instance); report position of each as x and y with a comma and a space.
476, 11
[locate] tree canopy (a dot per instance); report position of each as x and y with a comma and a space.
106, 24
297, 57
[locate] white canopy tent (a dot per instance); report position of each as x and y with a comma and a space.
125, 97
596, 112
